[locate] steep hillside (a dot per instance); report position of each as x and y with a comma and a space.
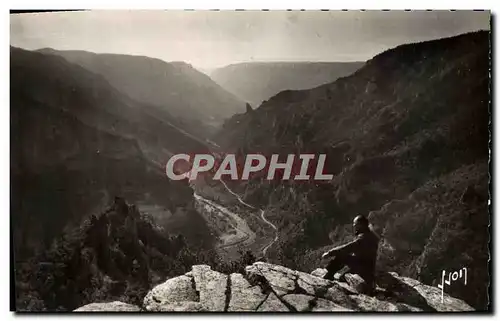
256, 82
406, 137
176, 87
77, 143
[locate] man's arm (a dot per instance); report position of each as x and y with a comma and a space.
345, 248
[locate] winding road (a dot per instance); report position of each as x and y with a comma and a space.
244, 233
241, 225
262, 216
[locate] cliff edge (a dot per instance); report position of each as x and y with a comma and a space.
272, 288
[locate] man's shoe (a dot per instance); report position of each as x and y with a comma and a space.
339, 277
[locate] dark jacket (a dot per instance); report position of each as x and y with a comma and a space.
363, 250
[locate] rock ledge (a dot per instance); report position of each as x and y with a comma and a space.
272, 288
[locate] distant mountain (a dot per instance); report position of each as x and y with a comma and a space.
255, 82
206, 71
406, 137
175, 87
76, 143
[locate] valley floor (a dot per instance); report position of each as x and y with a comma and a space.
239, 225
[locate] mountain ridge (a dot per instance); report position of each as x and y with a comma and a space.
79, 143
405, 137
176, 87
196, 102
264, 287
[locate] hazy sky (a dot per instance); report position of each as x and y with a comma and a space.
209, 39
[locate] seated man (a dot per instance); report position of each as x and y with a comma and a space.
359, 255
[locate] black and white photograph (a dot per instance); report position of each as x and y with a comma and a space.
251, 161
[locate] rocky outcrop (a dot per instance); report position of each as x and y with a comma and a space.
267, 287
115, 306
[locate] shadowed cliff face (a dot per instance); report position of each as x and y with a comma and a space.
406, 137
175, 88
77, 143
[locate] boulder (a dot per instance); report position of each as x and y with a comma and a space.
319, 272
322, 305
357, 283
280, 279
432, 296
299, 302
244, 296
211, 286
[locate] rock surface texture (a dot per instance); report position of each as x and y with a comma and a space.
115, 306
272, 288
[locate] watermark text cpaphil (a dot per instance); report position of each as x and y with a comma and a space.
300, 167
